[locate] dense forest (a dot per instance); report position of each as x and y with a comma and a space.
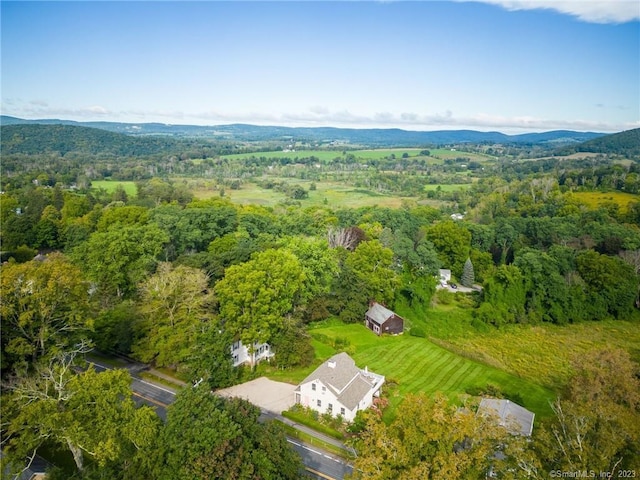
171, 277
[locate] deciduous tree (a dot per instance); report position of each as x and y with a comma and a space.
256, 295
174, 304
597, 422
208, 437
44, 307
90, 414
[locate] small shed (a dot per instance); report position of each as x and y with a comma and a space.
380, 319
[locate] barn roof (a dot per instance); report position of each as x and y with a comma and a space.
379, 314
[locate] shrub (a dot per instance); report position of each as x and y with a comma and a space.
417, 332
444, 296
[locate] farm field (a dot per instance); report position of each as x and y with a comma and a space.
447, 154
597, 199
372, 154
328, 155
541, 353
111, 185
418, 365
332, 194
544, 352
453, 187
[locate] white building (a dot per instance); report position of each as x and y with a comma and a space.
241, 355
444, 276
339, 387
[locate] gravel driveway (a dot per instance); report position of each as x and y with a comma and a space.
274, 397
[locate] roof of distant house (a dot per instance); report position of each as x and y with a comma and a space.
512, 416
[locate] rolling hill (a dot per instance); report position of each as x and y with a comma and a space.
380, 137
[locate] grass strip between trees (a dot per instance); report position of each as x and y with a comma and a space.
311, 440
303, 419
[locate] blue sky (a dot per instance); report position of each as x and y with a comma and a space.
504, 65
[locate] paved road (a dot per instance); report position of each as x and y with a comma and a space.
319, 463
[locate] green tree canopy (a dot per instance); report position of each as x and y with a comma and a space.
432, 439
255, 296
174, 304
597, 422
208, 437
452, 242
118, 259
90, 414
44, 307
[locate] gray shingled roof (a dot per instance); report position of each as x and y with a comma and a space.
347, 382
515, 418
379, 314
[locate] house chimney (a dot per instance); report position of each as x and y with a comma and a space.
366, 369
331, 364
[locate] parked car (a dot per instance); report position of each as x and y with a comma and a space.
453, 285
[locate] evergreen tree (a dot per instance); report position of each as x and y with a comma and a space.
468, 276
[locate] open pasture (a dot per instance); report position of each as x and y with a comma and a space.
597, 199
110, 186
333, 194
452, 154
544, 352
541, 353
453, 187
328, 155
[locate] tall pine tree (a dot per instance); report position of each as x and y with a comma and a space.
468, 277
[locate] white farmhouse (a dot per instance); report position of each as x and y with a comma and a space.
339, 387
241, 355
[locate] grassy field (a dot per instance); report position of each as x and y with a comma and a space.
329, 155
373, 154
417, 365
447, 187
531, 362
544, 352
541, 353
447, 153
332, 194
111, 185
597, 199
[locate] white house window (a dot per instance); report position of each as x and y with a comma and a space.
342, 411
330, 408
319, 403
313, 387
324, 389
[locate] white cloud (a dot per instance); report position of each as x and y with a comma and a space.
97, 109
320, 116
593, 11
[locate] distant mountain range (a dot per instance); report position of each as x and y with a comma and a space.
625, 143
377, 137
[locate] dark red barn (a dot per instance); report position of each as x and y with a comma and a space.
381, 320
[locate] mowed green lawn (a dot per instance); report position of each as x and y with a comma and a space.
418, 365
